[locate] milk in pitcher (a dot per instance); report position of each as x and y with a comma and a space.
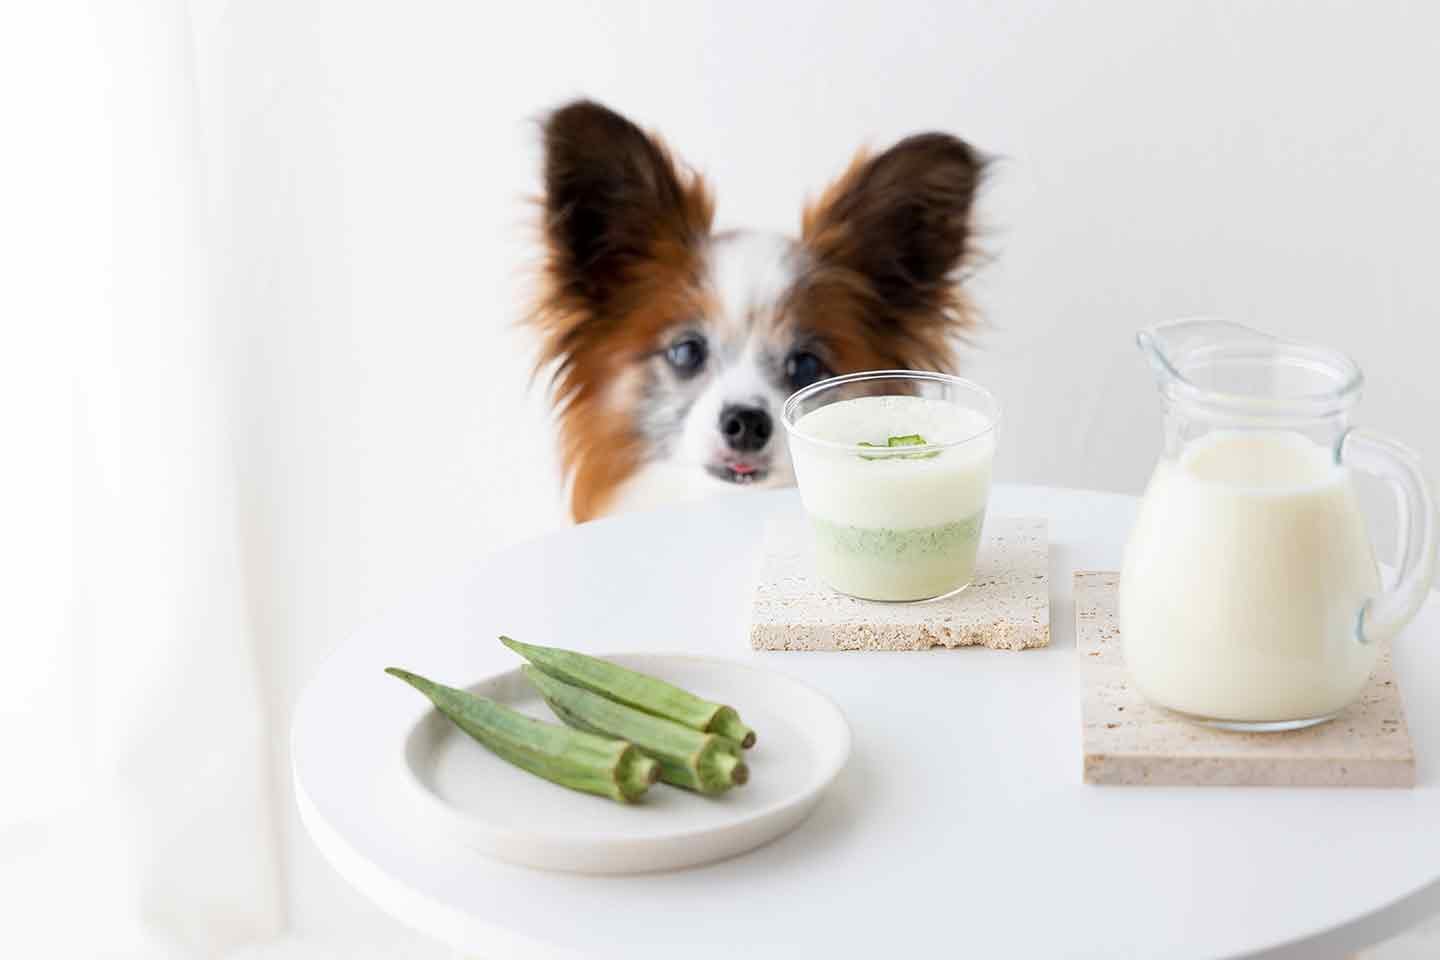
1243, 580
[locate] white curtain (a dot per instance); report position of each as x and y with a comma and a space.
139, 817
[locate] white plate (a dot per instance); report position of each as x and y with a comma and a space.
802, 742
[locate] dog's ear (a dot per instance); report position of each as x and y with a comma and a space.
614, 199
901, 222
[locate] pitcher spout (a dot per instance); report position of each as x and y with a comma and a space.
1224, 366
1172, 348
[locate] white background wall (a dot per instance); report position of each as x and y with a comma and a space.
1277, 163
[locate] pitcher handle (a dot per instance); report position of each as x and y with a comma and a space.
1383, 616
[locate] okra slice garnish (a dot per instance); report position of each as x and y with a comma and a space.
572, 758
635, 689
908, 440
704, 762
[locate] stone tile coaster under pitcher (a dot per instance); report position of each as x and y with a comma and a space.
1007, 607
1129, 742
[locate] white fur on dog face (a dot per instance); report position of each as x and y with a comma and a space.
737, 381
752, 273
750, 276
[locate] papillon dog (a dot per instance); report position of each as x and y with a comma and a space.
672, 346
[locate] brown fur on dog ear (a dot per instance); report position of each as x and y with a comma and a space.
614, 199
624, 235
894, 229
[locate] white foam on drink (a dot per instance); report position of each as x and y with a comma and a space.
852, 488
876, 419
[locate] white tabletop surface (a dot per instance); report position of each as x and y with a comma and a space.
960, 827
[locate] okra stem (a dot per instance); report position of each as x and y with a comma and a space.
704, 762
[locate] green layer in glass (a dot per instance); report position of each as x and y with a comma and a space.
886, 543
886, 563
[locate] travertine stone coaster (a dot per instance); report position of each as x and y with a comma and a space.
1128, 741
1007, 607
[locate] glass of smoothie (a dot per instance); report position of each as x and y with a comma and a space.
894, 471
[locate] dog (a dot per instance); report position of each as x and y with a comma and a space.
672, 347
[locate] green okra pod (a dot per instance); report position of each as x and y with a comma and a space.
704, 762
572, 758
639, 690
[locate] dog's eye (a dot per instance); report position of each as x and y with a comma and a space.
803, 368
687, 356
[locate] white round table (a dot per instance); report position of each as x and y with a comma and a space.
960, 827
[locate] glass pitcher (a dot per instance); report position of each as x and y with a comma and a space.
1250, 597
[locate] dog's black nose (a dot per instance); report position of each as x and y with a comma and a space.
745, 428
